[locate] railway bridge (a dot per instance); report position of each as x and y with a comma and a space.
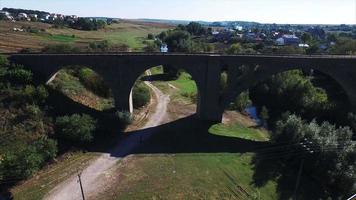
121, 70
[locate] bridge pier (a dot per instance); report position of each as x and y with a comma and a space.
208, 106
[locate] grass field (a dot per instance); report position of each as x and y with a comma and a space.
185, 84
191, 175
48, 178
128, 33
239, 131
188, 176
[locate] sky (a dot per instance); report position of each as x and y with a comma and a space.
263, 11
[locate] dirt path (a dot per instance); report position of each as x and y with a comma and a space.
97, 175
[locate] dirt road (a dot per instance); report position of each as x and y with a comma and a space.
97, 175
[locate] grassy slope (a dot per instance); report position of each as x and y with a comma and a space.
45, 180
128, 33
73, 88
240, 131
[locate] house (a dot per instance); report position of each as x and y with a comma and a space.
303, 46
287, 39
33, 17
60, 16
164, 48
52, 17
5, 15
23, 16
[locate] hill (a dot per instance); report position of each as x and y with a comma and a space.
36, 35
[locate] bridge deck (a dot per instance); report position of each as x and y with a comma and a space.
134, 54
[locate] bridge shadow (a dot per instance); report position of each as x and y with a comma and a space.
186, 135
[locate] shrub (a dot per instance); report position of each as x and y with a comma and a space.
27, 159
124, 117
99, 45
93, 82
242, 101
18, 75
60, 48
150, 36
140, 94
76, 128
333, 160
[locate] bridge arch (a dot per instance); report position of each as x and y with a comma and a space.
95, 90
164, 77
253, 74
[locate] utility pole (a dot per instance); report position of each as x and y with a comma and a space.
306, 149
80, 183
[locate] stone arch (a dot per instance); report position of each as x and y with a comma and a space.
106, 84
259, 73
143, 68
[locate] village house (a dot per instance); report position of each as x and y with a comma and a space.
288, 40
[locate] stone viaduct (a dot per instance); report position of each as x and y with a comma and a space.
121, 70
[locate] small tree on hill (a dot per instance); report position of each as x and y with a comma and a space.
76, 128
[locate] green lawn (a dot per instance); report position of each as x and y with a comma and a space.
189, 176
185, 84
46, 179
239, 131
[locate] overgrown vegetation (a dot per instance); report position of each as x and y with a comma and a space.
140, 94
77, 129
26, 129
330, 160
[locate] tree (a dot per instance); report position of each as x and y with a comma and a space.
150, 36
194, 28
151, 47
76, 128
178, 41
242, 101
334, 157
140, 95
291, 91
264, 115
234, 49
306, 37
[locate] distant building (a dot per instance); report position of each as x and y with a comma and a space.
164, 48
288, 40
303, 45
22, 16
5, 15
238, 28
33, 15
52, 17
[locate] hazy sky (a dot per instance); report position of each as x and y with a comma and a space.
268, 11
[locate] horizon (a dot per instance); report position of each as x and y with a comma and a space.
323, 12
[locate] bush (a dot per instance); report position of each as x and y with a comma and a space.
124, 117
18, 75
27, 159
333, 160
242, 101
99, 45
150, 36
93, 82
36, 95
140, 94
76, 128
60, 48
151, 47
